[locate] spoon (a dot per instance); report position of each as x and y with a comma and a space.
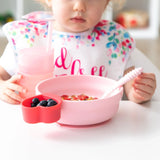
130, 75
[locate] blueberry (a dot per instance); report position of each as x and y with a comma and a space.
33, 104
49, 99
42, 103
35, 101
51, 103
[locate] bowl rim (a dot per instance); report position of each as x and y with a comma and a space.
71, 76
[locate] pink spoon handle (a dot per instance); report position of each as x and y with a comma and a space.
130, 75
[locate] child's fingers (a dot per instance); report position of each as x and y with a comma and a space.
142, 95
136, 97
149, 81
143, 81
8, 99
15, 78
144, 88
11, 84
16, 87
148, 76
11, 94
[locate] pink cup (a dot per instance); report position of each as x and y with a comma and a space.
35, 65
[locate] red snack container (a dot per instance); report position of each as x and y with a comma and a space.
43, 114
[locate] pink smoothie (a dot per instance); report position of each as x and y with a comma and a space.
35, 65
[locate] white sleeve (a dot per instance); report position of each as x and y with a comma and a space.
130, 62
8, 60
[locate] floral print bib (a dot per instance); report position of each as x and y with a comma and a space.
103, 50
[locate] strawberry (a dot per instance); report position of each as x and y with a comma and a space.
74, 98
82, 97
65, 97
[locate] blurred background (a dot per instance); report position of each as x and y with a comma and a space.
140, 17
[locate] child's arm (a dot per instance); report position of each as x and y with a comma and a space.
8, 86
142, 88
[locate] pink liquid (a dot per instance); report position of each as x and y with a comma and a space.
35, 65
30, 81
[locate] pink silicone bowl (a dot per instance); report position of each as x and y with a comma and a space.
83, 112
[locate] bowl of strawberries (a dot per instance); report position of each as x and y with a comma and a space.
81, 98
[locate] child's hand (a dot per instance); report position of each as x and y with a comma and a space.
8, 88
142, 88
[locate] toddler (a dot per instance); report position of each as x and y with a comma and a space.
83, 44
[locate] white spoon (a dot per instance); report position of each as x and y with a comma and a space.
130, 75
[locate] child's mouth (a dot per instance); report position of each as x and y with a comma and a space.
78, 20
